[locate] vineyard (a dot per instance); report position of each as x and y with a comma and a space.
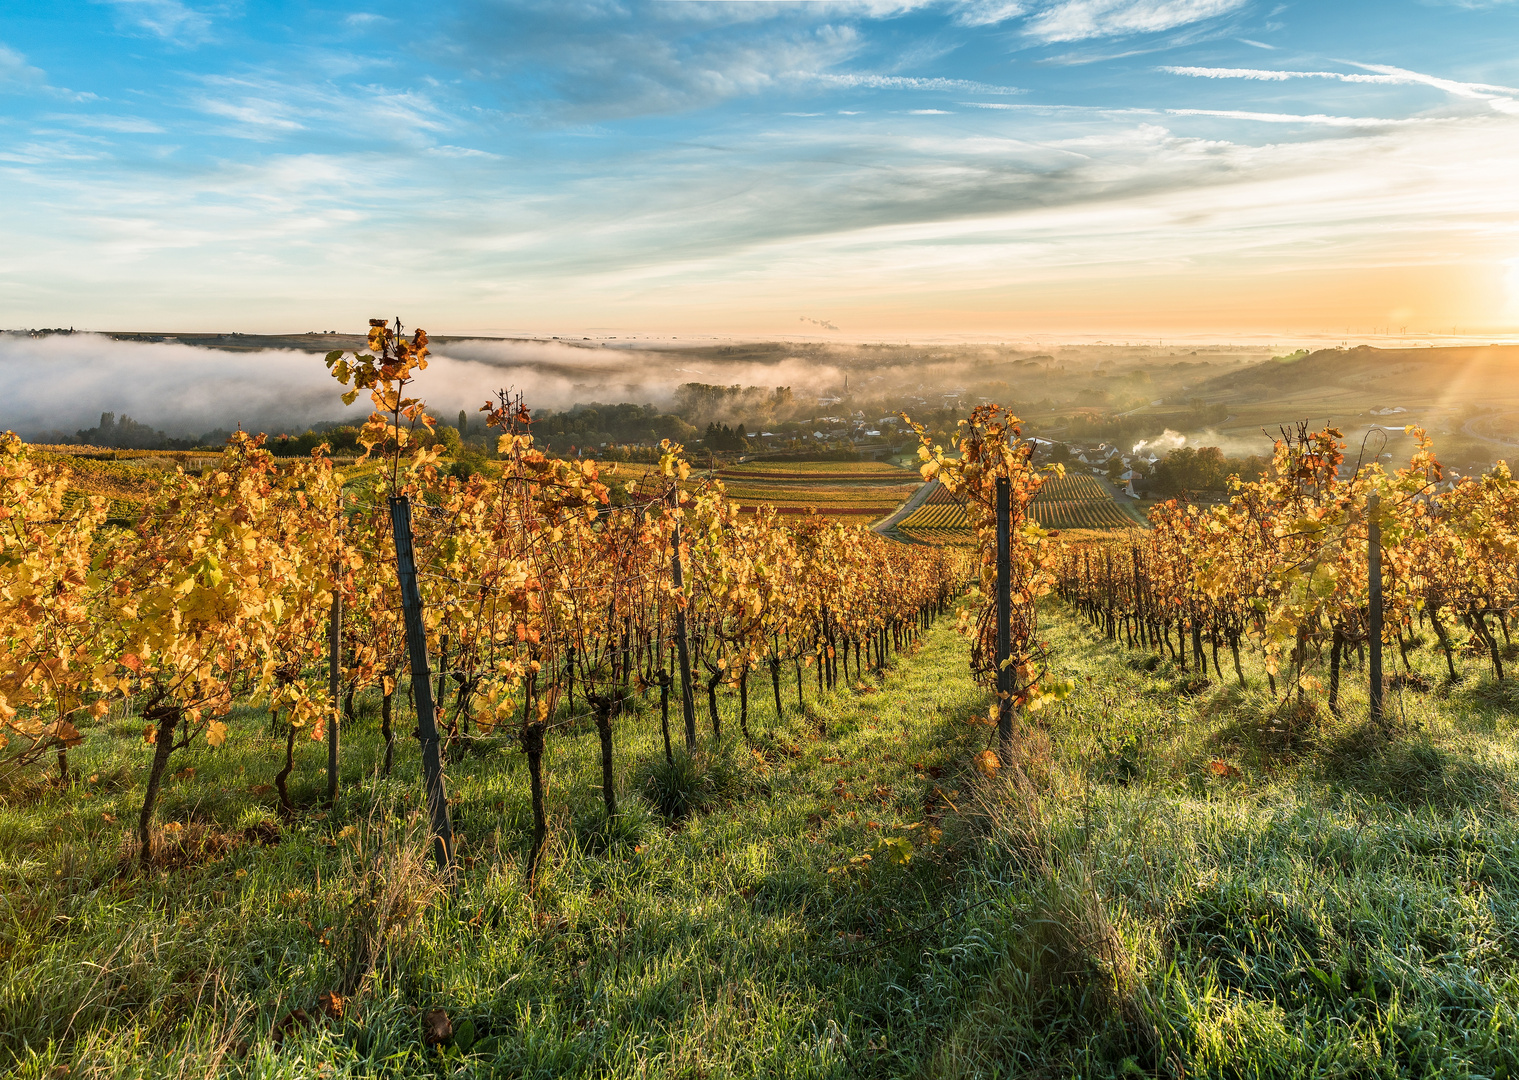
565, 772
814, 470
125, 478
1064, 502
855, 491
1312, 566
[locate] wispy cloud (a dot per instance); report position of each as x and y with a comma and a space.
47, 153
271, 103
600, 59
987, 12
1267, 75
16, 72
1078, 20
1297, 118
1387, 76
446, 150
1504, 99
121, 125
170, 20
1450, 86
17, 76
632, 156
256, 117
904, 82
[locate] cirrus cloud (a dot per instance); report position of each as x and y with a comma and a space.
1079, 20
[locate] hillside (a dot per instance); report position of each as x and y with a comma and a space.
1471, 374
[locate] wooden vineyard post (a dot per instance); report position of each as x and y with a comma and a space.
334, 688
1004, 614
682, 643
1374, 615
421, 685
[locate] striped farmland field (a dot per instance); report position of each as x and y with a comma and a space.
939, 537
1064, 502
1101, 513
1078, 501
1071, 486
933, 515
852, 471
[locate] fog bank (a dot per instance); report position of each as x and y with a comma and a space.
64, 382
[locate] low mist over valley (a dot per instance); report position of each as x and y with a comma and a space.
151, 391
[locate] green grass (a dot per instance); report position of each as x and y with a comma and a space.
1181, 889
716, 942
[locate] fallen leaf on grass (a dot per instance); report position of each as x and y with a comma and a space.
289, 1024
1224, 769
437, 1028
331, 1005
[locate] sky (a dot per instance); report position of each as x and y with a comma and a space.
844, 168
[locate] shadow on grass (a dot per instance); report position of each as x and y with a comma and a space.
1411, 773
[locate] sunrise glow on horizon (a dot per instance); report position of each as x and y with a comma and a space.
854, 168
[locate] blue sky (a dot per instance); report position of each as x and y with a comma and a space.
973, 166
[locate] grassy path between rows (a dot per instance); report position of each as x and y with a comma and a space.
748, 939
1184, 888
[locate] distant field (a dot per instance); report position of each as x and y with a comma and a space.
942, 515
1075, 501
840, 500
939, 520
1101, 513
855, 471
939, 537
857, 491
1078, 501
1071, 486
126, 478
109, 453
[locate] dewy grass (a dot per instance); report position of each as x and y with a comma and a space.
1178, 892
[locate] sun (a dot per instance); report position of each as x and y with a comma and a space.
1511, 283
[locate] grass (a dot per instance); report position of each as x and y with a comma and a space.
645, 947
1176, 889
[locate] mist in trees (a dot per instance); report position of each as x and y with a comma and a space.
1200, 469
